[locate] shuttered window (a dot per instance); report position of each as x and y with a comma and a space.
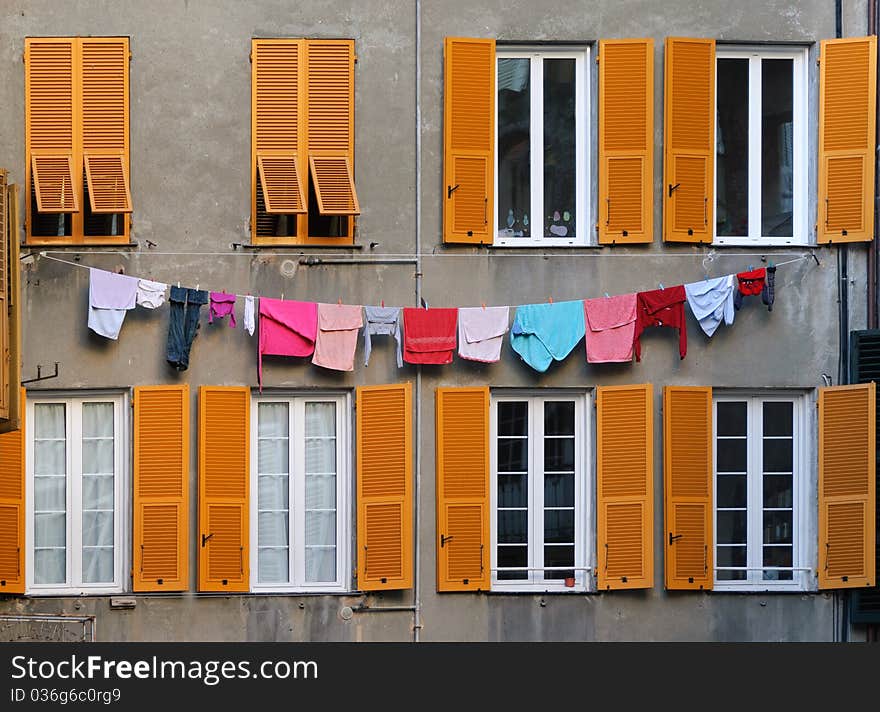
224, 464
626, 141
303, 141
384, 487
5, 307
847, 118
624, 487
77, 139
12, 509
11, 408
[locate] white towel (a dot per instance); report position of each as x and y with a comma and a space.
481, 332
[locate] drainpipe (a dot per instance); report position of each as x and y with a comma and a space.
417, 611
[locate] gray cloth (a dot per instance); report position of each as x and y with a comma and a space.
380, 321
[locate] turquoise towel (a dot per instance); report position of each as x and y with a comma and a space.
544, 332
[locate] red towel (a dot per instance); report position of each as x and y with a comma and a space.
661, 307
429, 335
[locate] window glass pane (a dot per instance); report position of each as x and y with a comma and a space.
778, 418
273, 420
777, 455
321, 492
730, 556
512, 556
557, 555
50, 566
320, 420
321, 455
272, 456
97, 528
559, 148
49, 420
732, 148
320, 564
559, 526
512, 526
320, 528
778, 556
732, 418
97, 456
559, 490
731, 491
778, 491
97, 565
777, 527
559, 418
49, 529
272, 491
512, 490
777, 149
97, 420
559, 455
513, 455
513, 418
50, 493
731, 455
731, 526
273, 565
514, 130
272, 528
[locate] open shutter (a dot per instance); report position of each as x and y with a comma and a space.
53, 178
469, 141
626, 141
625, 486
224, 466
384, 487
847, 486
12, 349
330, 133
687, 486
847, 117
689, 140
12, 508
463, 558
161, 488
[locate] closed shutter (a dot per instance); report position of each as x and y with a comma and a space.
847, 486
276, 117
224, 466
626, 141
847, 117
161, 488
12, 349
5, 266
687, 487
689, 140
12, 508
468, 140
463, 537
624, 486
384, 487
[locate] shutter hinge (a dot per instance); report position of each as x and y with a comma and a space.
130, 56
251, 57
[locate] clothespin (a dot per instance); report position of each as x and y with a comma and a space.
607, 296
661, 286
339, 301
550, 299
282, 296
383, 303
178, 285
484, 305
751, 268
197, 286
424, 303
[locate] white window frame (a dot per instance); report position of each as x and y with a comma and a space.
804, 522
73, 541
583, 494
583, 220
800, 163
296, 493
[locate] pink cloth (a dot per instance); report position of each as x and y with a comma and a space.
338, 326
222, 304
481, 332
287, 328
611, 326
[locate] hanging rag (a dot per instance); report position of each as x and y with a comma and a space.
287, 328
429, 335
249, 314
150, 295
768, 294
110, 296
544, 332
381, 321
222, 304
481, 332
711, 300
336, 341
750, 284
661, 307
610, 328
183, 324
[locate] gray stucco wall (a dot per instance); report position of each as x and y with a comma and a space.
190, 139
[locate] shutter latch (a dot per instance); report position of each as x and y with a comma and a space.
205, 538
673, 187
444, 539
673, 538
450, 189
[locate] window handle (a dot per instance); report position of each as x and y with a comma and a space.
205, 538
608, 213
486, 210
705, 558
705, 210
826, 212
827, 553
481, 558
606, 556
142, 558
444, 539
18, 563
241, 559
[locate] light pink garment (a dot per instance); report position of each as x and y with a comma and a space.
611, 326
287, 328
481, 332
338, 326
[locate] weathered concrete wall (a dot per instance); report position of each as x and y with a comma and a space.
190, 134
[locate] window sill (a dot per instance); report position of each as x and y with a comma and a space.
741, 242
294, 246
554, 244
75, 246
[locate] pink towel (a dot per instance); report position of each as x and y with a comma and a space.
611, 326
287, 328
338, 326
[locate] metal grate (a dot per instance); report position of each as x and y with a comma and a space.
47, 629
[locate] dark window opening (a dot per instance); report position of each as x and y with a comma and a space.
100, 224
272, 225
324, 225
48, 224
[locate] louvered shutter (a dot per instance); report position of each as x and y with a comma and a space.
161, 488
330, 133
847, 117
12, 348
626, 141
384, 487
224, 466
5, 288
463, 536
469, 140
689, 140
50, 128
276, 117
687, 487
624, 487
847, 486
12, 508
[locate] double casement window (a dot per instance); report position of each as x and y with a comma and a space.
76, 139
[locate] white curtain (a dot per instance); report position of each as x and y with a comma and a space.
320, 491
273, 493
50, 494
97, 493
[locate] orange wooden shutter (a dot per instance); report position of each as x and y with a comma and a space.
689, 140
624, 487
626, 141
847, 116
13, 311
53, 178
463, 536
5, 289
384, 487
12, 508
224, 467
330, 133
687, 487
847, 486
469, 141
161, 488
276, 118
